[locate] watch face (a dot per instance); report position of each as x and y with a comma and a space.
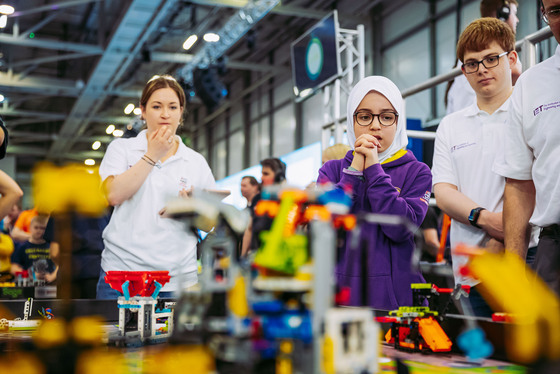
473, 217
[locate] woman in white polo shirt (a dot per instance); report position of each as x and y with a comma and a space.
140, 175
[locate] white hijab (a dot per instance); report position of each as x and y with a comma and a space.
388, 89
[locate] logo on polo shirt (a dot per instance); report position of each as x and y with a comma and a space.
461, 146
426, 197
545, 107
183, 182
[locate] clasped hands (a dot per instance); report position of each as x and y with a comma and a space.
365, 152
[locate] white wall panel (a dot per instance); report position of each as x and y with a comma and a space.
470, 13
236, 120
313, 118
284, 91
235, 158
284, 128
219, 159
408, 16
445, 39
259, 104
260, 140
408, 64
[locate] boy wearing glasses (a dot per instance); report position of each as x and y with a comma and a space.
468, 142
532, 160
459, 93
385, 178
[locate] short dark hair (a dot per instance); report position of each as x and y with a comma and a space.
252, 180
277, 166
491, 8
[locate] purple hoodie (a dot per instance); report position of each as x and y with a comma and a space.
399, 187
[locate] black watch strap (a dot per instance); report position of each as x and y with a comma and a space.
473, 217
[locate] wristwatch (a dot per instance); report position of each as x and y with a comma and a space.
473, 217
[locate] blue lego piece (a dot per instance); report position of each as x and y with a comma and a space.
128, 306
336, 195
474, 344
125, 291
164, 310
156, 291
273, 306
288, 325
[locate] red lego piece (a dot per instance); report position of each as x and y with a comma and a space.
343, 297
442, 290
141, 282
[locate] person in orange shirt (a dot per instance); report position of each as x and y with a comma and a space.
22, 228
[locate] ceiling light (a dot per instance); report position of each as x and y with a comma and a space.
211, 37
129, 108
110, 129
6, 9
3, 21
96, 144
190, 42
137, 111
89, 162
118, 133
2, 98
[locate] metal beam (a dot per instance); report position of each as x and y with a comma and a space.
183, 58
51, 44
36, 136
52, 86
52, 116
140, 20
45, 86
55, 6
38, 26
286, 10
22, 150
44, 60
46, 116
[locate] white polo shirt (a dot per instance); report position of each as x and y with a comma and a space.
532, 149
137, 238
460, 95
467, 142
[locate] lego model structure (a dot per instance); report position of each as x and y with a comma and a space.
139, 309
533, 310
21, 324
416, 328
274, 309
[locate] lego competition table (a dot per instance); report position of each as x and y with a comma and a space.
287, 324
141, 359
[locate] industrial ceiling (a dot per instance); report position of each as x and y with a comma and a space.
68, 68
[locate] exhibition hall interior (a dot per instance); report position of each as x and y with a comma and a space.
267, 186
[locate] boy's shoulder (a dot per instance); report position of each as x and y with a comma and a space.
458, 118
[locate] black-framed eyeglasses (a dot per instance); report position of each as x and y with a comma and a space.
488, 62
387, 118
551, 15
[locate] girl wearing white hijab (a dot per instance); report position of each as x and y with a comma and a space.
384, 178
